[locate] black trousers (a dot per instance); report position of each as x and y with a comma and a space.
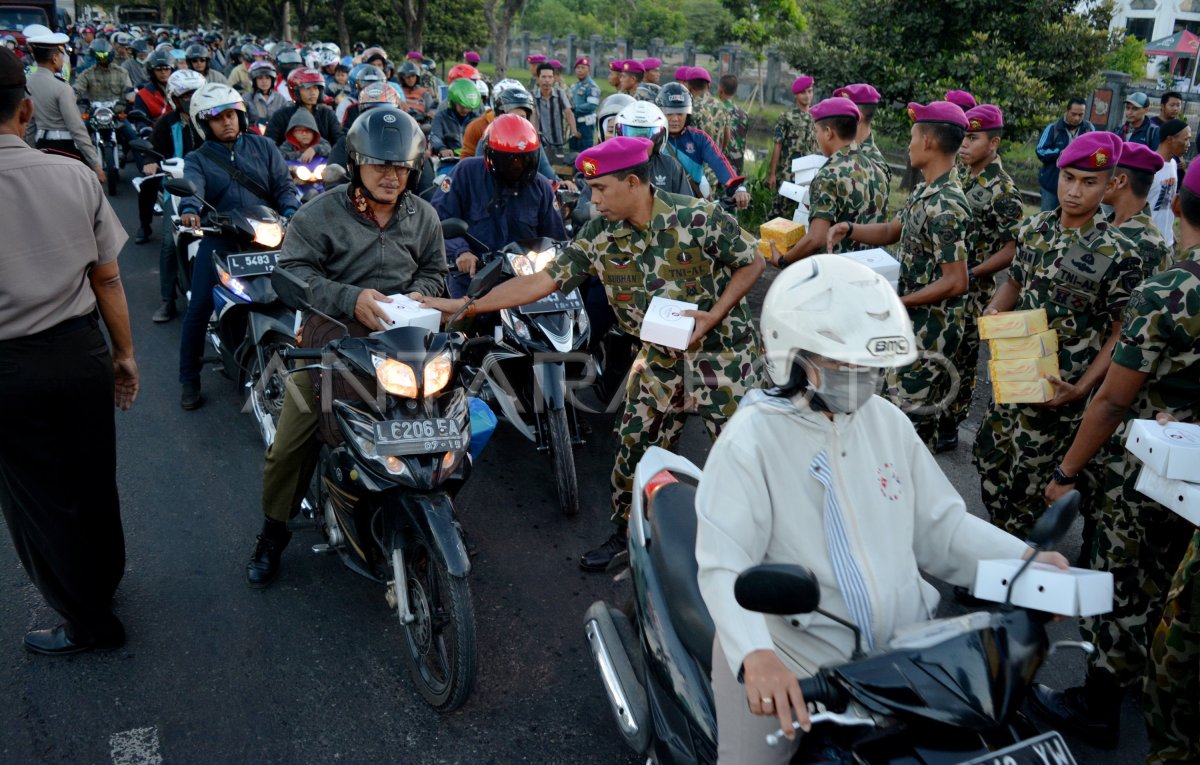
61, 148
147, 196
58, 461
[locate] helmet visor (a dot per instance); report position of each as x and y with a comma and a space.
211, 112
637, 131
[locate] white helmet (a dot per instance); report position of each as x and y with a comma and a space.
211, 100
506, 84
312, 59
482, 87
832, 306
184, 81
331, 47
642, 119
609, 108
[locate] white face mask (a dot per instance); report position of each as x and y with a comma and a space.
846, 389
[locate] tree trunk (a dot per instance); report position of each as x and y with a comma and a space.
303, 7
500, 15
412, 13
343, 32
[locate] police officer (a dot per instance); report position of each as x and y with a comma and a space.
849, 187
647, 243
1155, 368
585, 100
60, 129
933, 263
996, 214
1130, 211
1081, 270
866, 98
795, 136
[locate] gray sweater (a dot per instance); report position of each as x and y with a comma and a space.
339, 253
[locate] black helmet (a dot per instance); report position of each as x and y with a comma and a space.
102, 50
409, 69
289, 58
159, 59
140, 46
674, 98
212, 38
196, 51
386, 137
514, 98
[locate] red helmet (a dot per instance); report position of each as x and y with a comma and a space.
302, 77
513, 149
460, 71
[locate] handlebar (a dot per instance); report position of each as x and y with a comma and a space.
819, 690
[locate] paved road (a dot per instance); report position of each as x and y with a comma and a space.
309, 671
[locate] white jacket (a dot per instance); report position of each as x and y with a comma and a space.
757, 503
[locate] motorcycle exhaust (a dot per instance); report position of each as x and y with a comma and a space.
625, 693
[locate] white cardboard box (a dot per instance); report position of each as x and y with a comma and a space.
1074, 592
666, 325
805, 168
1171, 450
881, 262
403, 311
1179, 496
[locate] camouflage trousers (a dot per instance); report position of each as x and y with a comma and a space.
782, 207
1016, 450
1172, 701
966, 360
925, 388
1140, 542
662, 391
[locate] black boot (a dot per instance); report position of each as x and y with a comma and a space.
189, 397
947, 439
264, 564
599, 558
1091, 712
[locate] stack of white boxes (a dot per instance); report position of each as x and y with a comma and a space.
1170, 456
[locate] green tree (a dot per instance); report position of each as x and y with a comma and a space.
650, 20
761, 23
1128, 57
708, 23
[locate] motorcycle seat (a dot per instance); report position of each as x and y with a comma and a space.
673, 552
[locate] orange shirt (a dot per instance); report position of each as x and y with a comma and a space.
473, 132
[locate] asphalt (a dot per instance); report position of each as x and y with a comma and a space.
310, 670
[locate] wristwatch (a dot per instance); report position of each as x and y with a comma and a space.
850, 230
1062, 479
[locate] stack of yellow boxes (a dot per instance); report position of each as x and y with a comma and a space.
1024, 351
783, 232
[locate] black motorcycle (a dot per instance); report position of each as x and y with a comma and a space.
946, 692
102, 118
398, 428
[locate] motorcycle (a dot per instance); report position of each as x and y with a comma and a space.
309, 177
535, 351
102, 119
386, 482
945, 692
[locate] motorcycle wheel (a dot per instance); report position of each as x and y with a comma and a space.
113, 174
563, 453
266, 393
439, 645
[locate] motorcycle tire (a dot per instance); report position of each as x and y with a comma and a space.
266, 395
114, 180
562, 451
439, 645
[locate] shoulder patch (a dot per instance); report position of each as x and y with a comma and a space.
445, 185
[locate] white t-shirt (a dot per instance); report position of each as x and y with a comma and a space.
1166, 185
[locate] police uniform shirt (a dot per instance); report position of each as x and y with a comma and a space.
54, 109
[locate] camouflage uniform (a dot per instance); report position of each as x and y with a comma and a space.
796, 134
709, 115
104, 83
1153, 249
1083, 278
688, 252
739, 125
848, 187
995, 217
871, 151
1172, 698
1139, 541
432, 86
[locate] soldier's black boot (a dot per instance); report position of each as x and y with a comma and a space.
264, 564
599, 558
947, 438
1091, 712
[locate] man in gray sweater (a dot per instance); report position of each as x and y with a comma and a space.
354, 245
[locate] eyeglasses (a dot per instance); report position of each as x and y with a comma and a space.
385, 170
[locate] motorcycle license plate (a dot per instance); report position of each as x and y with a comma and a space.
251, 263
1046, 748
555, 301
421, 436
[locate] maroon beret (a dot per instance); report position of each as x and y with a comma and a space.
615, 66
556, 64
535, 58
834, 107
583, 60
633, 66
614, 155
860, 93
471, 57
699, 73
801, 84
962, 98
1092, 151
651, 63
1191, 179
937, 111
985, 117
683, 73
1136, 156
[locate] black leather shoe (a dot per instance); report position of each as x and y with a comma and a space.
165, 312
55, 642
947, 441
190, 398
143, 235
599, 558
264, 564
1071, 712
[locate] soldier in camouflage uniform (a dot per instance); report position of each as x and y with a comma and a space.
866, 98
708, 114
739, 121
1131, 213
848, 187
1081, 271
682, 249
996, 214
931, 231
1155, 368
795, 136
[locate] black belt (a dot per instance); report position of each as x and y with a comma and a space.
62, 328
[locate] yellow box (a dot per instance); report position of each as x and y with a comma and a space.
784, 232
1022, 391
1014, 370
1032, 347
1013, 324
764, 248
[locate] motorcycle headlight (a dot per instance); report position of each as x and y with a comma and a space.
582, 322
102, 117
318, 172
437, 374
395, 377
301, 172
267, 233
233, 284
531, 262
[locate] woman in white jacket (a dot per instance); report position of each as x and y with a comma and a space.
820, 471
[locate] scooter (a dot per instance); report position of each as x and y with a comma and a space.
946, 692
309, 177
536, 350
397, 432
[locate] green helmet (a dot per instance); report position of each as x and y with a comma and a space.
464, 93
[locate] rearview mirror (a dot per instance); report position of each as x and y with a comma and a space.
144, 146
180, 187
778, 588
454, 228
486, 278
334, 173
291, 289
1055, 522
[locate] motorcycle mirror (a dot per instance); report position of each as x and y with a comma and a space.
180, 187
291, 289
1055, 522
486, 278
778, 588
453, 228
144, 146
334, 173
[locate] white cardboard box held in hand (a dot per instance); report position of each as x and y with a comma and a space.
1074, 592
1181, 497
881, 262
1171, 450
666, 325
403, 311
